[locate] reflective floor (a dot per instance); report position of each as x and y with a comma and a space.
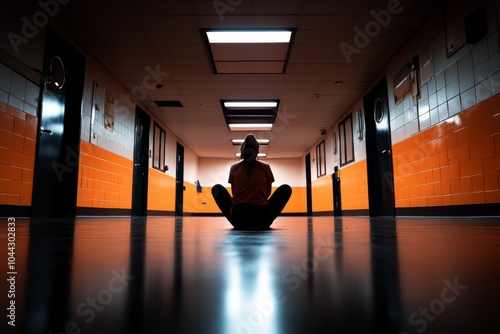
306, 275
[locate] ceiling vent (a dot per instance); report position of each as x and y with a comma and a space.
169, 103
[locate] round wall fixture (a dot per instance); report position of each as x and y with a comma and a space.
139, 128
57, 73
378, 111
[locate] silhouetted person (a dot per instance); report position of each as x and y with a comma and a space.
251, 207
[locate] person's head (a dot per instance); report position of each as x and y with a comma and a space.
249, 149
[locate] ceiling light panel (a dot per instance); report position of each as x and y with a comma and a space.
240, 141
250, 104
250, 115
249, 51
260, 155
251, 36
250, 127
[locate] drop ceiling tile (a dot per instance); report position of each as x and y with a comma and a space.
249, 52
249, 67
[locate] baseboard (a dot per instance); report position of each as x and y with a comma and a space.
467, 210
160, 213
293, 214
86, 211
16, 211
322, 213
202, 214
358, 213
214, 214
463, 210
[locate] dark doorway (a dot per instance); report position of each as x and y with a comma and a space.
55, 182
378, 152
179, 181
141, 164
308, 185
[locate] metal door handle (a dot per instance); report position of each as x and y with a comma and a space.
386, 151
47, 131
137, 165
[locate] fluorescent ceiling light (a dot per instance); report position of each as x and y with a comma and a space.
251, 104
240, 141
249, 51
261, 36
250, 126
260, 155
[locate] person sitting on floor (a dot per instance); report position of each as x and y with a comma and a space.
250, 207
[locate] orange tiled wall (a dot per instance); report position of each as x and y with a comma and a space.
161, 191
322, 194
104, 180
193, 200
297, 202
455, 162
354, 186
17, 155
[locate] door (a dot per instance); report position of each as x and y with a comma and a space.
308, 185
141, 164
337, 196
179, 181
378, 152
55, 182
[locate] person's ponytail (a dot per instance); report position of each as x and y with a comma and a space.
249, 151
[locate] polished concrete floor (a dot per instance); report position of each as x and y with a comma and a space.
305, 275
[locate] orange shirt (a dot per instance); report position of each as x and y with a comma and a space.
252, 187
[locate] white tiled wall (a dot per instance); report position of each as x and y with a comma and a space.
333, 159
121, 140
468, 77
459, 82
17, 91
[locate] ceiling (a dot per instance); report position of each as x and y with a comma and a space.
317, 88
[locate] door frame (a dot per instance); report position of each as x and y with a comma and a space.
179, 180
379, 163
141, 163
308, 185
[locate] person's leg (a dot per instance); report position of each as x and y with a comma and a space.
251, 217
223, 200
279, 198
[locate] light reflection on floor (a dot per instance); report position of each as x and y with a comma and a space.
306, 275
